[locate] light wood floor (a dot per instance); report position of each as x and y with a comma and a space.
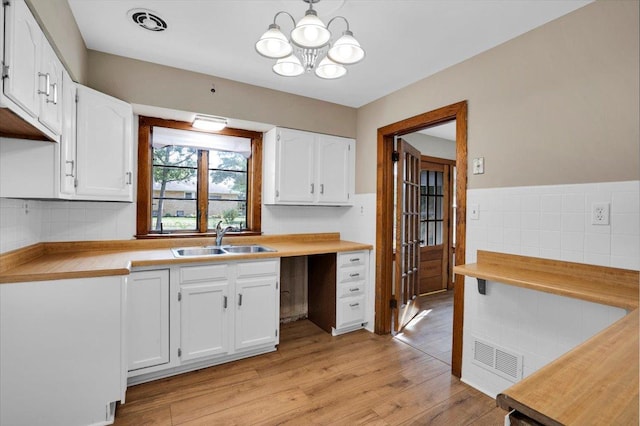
314, 378
431, 330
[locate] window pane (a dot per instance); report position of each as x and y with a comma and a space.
439, 176
431, 212
177, 215
231, 213
423, 234
431, 234
173, 155
439, 210
223, 160
438, 233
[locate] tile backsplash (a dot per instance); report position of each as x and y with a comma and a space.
555, 222
26, 222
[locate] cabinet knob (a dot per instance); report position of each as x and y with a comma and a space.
322, 188
355, 274
354, 289
73, 164
129, 178
354, 305
55, 95
312, 188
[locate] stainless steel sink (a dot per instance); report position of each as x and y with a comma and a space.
197, 251
219, 250
247, 249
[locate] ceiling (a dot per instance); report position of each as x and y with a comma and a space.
405, 40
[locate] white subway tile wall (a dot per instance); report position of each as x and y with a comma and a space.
26, 222
551, 222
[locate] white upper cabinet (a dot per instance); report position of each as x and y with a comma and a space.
304, 168
32, 73
103, 147
335, 169
51, 99
295, 164
23, 47
68, 138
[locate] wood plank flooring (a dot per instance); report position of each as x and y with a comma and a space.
314, 378
431, 330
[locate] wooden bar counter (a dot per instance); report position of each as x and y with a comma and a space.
595, 383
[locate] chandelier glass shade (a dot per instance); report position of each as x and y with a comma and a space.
309, 47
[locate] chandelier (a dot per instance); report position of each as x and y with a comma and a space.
309, 48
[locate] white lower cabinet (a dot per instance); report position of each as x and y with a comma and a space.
257, 294
351, 285
62, 351
214, 313
148, 319
204, 320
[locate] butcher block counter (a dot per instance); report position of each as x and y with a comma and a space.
60, 260
595, 383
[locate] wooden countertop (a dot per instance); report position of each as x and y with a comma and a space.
594, 383
51, 261
608, 286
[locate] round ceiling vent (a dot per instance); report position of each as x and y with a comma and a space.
147, 19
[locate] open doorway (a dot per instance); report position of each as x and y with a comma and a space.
431, 330
386, 304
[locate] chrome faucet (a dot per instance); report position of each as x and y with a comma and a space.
221, 232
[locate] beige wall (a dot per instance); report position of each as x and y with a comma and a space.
57, 20
557, 105
158, 85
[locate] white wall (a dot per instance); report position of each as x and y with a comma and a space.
552, 222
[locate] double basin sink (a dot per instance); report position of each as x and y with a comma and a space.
219, 250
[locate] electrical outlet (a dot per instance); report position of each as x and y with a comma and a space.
474, 211
600, 214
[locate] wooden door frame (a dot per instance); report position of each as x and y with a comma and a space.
384, 221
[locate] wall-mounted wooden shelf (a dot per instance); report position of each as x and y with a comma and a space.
599, 284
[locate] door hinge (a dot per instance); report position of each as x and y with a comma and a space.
395, 156
393, 304
179, 296
77, 98
6, 3
5, 71
179, 352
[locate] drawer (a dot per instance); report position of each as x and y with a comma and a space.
350, 310
194, 274
351, 274
353, 258
252, 269
350, 289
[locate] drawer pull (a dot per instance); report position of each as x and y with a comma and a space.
354, 289
354, 259
239, 299
224, 302
354, 274
354, 305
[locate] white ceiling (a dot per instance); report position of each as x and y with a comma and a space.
443, 131
405, 40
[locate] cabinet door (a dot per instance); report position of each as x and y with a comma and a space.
68, 137
60, 350
334, 160
148, 319
294, 167
204, 320
23, 44
104, 147
51, 102
257, 308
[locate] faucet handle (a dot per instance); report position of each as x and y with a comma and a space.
218, 227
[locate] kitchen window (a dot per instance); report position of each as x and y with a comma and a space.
189, 179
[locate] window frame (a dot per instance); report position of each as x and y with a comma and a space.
145, 181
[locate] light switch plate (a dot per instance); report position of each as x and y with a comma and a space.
478, 166
474, 211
